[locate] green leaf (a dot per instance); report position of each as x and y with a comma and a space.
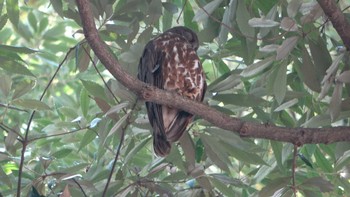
5, 85
280, 85
117, 125
84, 102
344, 77
305, 160
88, 137
277, 151
170, 7
286, 47
16, 68
61, 153
215, 152
257, 67
242, 20
135, 150
202, 15
3, 21
199, 150
320, 183
262, 22
322, 161
240, 100
308, 74
286, 105
275, 185
334, 105
32, 21
23, 88
31, 104
119, 29
82, 57
57, 6
13, 11
116, 108
293, 7
43, 24
94, 89
342, 161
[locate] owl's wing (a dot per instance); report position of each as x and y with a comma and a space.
150, 71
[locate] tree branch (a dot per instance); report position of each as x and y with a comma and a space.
297, 136
335, 15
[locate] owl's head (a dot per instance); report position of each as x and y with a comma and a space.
187, 33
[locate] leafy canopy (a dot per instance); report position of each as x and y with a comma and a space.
273, 62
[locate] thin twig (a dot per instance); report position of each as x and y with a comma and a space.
58, 134
295, 153
12, 107
25, 142
8, 130
104, 81
183, 7
119, 148
81, 188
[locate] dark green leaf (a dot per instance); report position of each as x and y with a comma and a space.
13, 11
280, 85
305, 160
3, 21
89, 136
61, 153
321, 183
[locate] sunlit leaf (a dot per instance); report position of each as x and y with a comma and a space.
262, 22
286, 105
207, 10
94, 122
257, 67
286, 47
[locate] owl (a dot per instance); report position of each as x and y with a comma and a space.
170, 62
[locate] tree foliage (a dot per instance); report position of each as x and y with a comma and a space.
68, 127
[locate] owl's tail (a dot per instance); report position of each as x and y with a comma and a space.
161, 145
178, 126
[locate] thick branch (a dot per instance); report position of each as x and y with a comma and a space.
335, 15
296, 136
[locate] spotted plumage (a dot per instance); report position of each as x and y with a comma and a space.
170, 62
